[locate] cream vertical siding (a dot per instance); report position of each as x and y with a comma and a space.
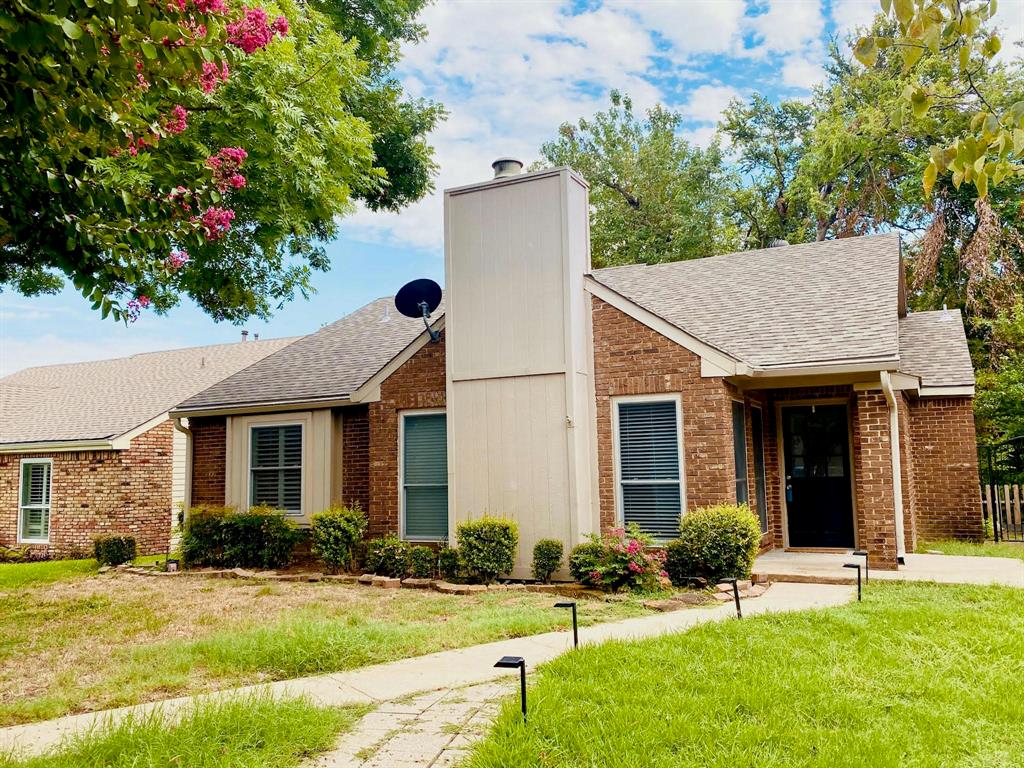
179, 460
317, 463
521, 435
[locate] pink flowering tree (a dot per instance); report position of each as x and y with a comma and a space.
160, 148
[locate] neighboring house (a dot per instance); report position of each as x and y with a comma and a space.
88, 448
574, 400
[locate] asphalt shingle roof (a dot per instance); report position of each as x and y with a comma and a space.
329, 364
933, 346
785, 306
106, 398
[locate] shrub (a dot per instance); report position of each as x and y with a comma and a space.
488, 547
422, 562
584, 559
335, 532
547, 558
222, 537
621, 558
388, 556
114, 549
15, 554
715, 543
449, 563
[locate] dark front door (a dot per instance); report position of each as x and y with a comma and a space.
819, 503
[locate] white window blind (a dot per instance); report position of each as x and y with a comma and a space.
649, 466
34, 507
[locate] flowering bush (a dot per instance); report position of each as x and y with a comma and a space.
620, 559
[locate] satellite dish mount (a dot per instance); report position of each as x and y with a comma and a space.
420, 298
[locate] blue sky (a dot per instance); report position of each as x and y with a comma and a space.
509, 71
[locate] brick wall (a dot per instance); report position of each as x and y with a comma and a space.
945, 459
355, 451
96, 492
417, 384
907, 473
632, 359
209, 456
876, 507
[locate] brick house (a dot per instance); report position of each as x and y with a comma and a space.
573, 400
89, 448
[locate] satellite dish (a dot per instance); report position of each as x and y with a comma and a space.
418, 299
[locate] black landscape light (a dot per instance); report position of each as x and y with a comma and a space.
735, 595
513, 662
575, 627
857, 566
863, 553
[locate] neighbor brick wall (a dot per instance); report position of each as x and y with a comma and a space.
876, 507
355, 450
945, 458
209, 456
632, 359
418, 384
97, 492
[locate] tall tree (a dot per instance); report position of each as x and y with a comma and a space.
153, 150
655, 197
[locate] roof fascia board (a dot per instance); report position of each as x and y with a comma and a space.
721, 364
268, 406
58, 446
369, 391
961, 391
828, 367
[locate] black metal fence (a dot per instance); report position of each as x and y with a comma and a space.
1002, 488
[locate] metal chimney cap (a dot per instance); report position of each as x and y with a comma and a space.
779, 243
507, 166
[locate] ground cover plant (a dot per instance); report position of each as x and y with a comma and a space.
916, 676
229, 734
87, 643
1012, 549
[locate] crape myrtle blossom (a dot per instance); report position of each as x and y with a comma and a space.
253, 31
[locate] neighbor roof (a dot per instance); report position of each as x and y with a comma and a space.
933, 346
105, 399
793, 305
327, 365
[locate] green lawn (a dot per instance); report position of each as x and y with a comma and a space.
1012, 549
237, 734
102, 641
916, 676
17, 575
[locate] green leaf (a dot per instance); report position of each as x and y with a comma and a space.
981, 182
930, 174
71, 29
920, 102
904, 10
866, 51
148, 49
911, 55
886, 6
965, 56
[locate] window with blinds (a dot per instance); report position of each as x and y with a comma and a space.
650, 482
739, 449
275, 467
34, 506
425, 476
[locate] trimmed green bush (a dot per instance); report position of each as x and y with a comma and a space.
422, 562
715, 543
488, 547
388, 556
547, 558
449, 563
224, 538
334, 534
584, 559
113, 549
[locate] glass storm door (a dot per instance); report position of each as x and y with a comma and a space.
819, 502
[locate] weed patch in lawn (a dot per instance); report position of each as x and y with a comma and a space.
916, 676
238, 733
1010, 549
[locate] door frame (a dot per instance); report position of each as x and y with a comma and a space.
780, 450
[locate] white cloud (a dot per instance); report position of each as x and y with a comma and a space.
802, 71
788, 25
848, 15
691, 28
50, 348
706, 102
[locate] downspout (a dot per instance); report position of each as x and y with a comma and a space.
897, 472
181, 424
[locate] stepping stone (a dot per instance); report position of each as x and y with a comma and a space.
386, 582
417, 583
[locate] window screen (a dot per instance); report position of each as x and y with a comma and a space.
276, 468
425, 476
649, 467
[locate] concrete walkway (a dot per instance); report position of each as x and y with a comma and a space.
779, 565
437, 671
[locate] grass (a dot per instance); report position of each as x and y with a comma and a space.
916, 676
256, 731
18, 575
1011, 549
115, 639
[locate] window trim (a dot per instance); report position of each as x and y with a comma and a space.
49, 499
666, 397
401, 475
302, 466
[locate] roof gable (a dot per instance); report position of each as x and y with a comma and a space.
933, 347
